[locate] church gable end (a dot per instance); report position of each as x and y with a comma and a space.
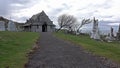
36, 23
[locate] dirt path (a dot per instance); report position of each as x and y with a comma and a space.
57, 53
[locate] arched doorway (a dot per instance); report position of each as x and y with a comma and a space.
44, 27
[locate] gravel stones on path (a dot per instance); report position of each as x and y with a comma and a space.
57, 53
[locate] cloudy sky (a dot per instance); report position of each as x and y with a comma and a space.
107, 11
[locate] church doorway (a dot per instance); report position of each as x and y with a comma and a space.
44, 27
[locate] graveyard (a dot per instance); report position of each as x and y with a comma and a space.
11, 36
59, 34
110, 50
106, 46
14, 47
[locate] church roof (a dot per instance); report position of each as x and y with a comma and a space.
37, 15
40, 18
41, 14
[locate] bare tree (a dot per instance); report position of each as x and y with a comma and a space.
75, 26
84, 21
66, 21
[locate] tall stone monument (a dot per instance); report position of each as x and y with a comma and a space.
11, 26
95, 30
112, 34
2, 26
118, 33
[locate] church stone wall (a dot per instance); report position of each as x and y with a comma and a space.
33, 28
48, 29
36, 28
40, 29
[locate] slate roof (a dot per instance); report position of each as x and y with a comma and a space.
39, 19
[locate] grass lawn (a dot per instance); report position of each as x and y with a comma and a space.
108, 50
14, 46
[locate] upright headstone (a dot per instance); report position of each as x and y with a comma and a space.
2, 26
107, 38
110, 36
118, 33
11, 26
95, 31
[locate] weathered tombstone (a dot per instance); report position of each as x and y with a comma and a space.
2, 26
95, 31
107, 38
110, 36
77, 32
118, 33
11, 26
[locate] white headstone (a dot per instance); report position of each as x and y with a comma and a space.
95, 31
110, 36
2, 26
11, 26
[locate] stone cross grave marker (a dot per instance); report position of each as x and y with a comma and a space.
95, 31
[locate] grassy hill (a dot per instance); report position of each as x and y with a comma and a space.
14, 46
108, 50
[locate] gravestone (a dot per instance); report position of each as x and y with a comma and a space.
110, 36
77, 32
118, 34
95, 31
11, 26
2, 26
107, 38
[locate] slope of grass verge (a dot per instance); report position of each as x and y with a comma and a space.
14, 46
108, 50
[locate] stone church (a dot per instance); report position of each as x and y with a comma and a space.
39, 23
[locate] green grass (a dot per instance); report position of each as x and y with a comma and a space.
108, 50
14, 46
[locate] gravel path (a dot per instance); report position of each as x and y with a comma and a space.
57, 53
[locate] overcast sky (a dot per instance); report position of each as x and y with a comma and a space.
20, 10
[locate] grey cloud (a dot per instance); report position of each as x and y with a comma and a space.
59, 9
105, 5
21, 19
6, 8
55, 11
109, 21
67, 6
20, 1
107, 16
